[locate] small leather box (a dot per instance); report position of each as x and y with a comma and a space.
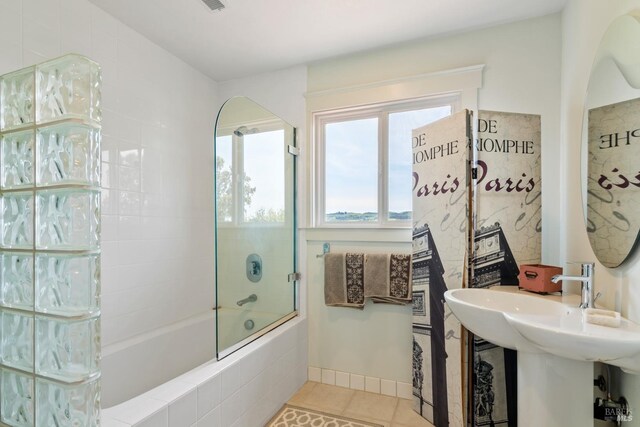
537, 278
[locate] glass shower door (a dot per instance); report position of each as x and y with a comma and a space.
255, 223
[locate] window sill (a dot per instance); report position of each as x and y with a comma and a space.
359, 234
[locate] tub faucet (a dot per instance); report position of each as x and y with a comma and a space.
587, 300
250, 298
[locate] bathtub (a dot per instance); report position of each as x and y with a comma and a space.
151, 380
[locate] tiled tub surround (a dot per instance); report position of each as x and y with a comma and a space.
50, 244
243, 390
137, 365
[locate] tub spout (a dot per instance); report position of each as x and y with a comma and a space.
250, 298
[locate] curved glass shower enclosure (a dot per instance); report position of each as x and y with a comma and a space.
255, 223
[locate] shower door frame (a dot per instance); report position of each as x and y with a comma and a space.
294, 277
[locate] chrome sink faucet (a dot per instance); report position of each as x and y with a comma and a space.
587, 300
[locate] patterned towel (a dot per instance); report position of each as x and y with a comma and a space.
352, 277
344, 280
387, 278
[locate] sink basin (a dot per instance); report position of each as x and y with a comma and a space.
571, 337
556, 349
482, 311
533, 324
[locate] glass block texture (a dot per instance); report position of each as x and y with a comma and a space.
17, 92
17, 220
68, 154
49, 244
16, 348
67, 285
16, 398
67, 350
16, 280
61, 405
17, 160
68, 87
68, 219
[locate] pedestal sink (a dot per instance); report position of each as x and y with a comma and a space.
556, 349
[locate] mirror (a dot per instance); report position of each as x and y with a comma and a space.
611, 144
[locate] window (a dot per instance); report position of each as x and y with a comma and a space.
248, 192
364, 161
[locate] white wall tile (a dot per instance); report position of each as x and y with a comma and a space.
10, 22
40, 39
372, 384
184, 411
109, 228
233, 378
134, 412
102, 23
110, 422
208, 396
357, 382
212, 419
44, 12
11, 5
10, 56
104, 48
233, 408
342, 379
388, 387
75, 27
315, 374
30, 57
159, 419
328, 376
404, 390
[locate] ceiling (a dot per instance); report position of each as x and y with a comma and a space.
255, 36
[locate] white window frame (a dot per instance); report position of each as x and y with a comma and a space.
381, 111
238, 219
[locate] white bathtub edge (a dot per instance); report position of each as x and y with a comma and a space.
142, 407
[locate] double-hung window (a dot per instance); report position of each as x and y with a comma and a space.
364, 161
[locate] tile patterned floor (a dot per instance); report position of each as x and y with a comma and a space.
378, 408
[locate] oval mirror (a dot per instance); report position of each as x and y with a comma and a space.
611, 144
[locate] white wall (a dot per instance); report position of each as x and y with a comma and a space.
521, 75
157, 205
583, 24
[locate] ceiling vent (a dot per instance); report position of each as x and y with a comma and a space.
214, 5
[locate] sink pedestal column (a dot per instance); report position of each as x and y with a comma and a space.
554, 391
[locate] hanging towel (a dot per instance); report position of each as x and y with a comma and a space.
387, 278
344, 280
352, 277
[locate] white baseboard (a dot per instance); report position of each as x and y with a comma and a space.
361, 382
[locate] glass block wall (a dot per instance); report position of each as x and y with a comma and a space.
50, 244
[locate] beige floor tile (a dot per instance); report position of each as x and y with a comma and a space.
323, 397
406, 416
371, 405
302, 394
